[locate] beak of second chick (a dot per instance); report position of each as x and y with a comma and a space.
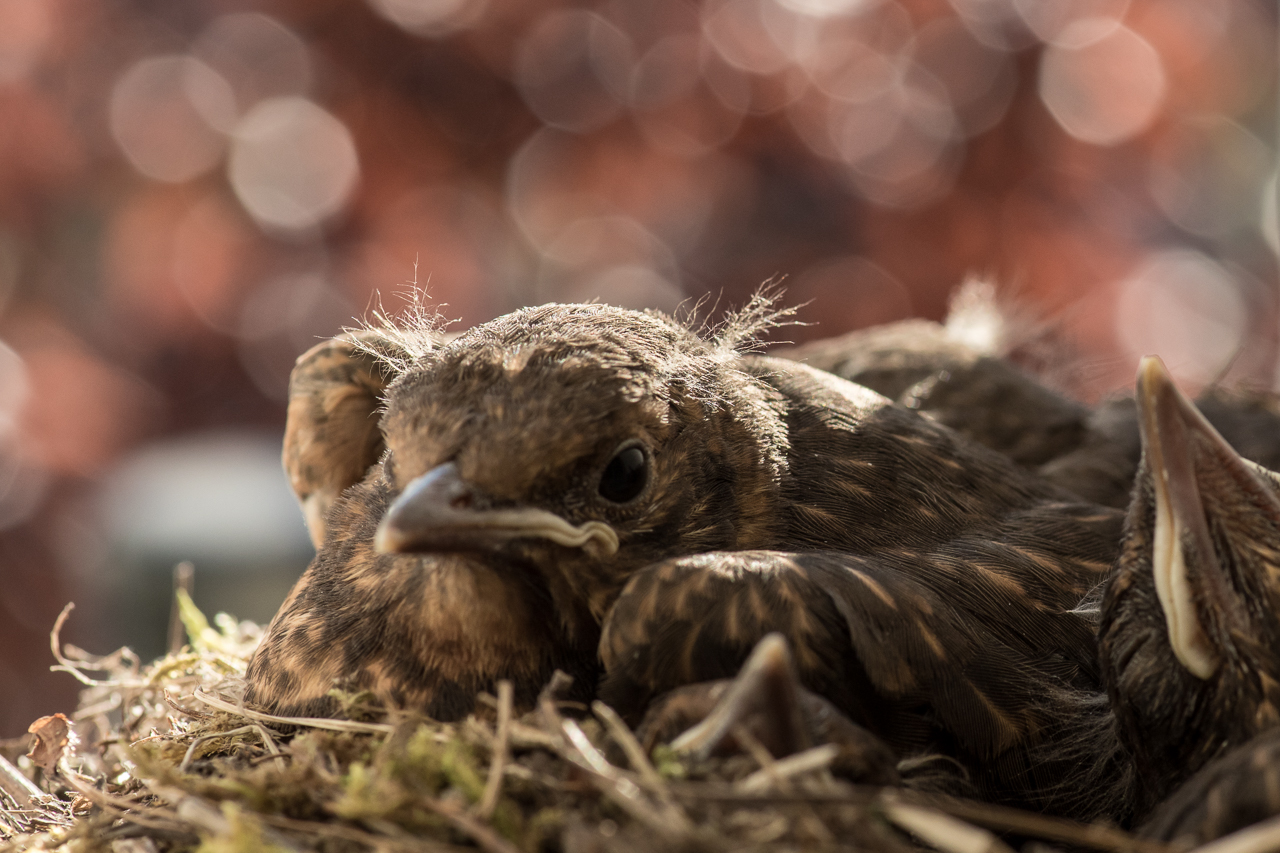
1181, 447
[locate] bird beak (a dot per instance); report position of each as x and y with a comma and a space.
1176, 441
440, 511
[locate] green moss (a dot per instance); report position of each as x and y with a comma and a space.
245, 834
543, 829
459, 765
668, 763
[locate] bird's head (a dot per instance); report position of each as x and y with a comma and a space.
585, 440
1190, 627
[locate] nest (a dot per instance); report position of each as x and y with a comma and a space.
164, 756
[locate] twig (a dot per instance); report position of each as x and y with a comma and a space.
1263, 836
104, 706
587, 752
529, 736
493, 786
183, 579
189, 712
998, 818
155, 818
55, 644
671, 823
359, 836
203, 814
20, 789
482, 835
624, 738
938, 829
818, 758
310, 722
1006, 819
267, 741
760, 754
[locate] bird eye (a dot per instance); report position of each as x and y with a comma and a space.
625, 476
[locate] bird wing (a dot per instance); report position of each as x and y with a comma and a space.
905, 645
697, 619
331, 433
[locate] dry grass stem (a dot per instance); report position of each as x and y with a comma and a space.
1262, 837
631, 748
484, 837
501, 747
776, 772
310, 722
55, 644
940, 830
18, 787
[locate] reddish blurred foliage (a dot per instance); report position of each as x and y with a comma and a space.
188, 203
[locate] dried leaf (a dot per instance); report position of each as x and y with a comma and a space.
53, 738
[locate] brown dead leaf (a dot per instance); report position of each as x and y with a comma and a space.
53, 736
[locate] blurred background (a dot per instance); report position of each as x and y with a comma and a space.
191, 194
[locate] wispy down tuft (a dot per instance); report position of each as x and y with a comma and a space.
402, 339
741, 330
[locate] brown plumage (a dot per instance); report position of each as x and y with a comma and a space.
333, 438
1091, 452
922, 366
1102, 468
559, 451
1189, 636
422, 632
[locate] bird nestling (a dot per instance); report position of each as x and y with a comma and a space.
332, 439
1189, 633
557, 451
410, 629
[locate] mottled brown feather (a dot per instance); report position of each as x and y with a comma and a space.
332, 437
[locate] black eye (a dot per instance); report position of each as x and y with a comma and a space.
625, 475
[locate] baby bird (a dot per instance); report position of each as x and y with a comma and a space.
427, 632
560, 450
1189, 633
332, 438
